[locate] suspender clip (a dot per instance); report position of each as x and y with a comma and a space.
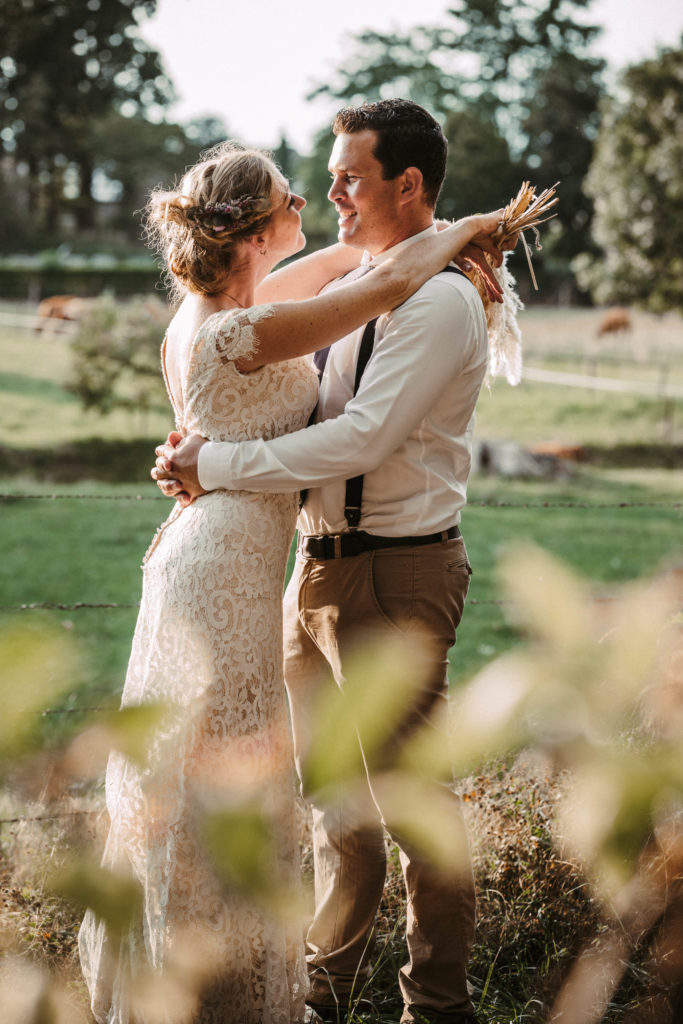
352, 516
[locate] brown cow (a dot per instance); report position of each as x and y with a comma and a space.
558, 450
56, 308
614, 320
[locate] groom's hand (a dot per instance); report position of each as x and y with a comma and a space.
175, 470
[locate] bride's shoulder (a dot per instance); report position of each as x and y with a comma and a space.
238, 317
231, 332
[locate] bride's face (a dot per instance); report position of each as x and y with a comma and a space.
283, 235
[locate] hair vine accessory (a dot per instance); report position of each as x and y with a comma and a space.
217, 217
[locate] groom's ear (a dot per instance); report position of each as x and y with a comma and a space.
411, 185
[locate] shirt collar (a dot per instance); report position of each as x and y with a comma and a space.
368, 260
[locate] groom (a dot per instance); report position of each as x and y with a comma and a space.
384, 554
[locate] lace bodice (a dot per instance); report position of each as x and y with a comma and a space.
223, 404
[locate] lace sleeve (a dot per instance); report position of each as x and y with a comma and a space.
233, 334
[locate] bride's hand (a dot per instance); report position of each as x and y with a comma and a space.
176, 471
481, 252
472, 258
484, 225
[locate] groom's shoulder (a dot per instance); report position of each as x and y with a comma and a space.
446, 293
446, 306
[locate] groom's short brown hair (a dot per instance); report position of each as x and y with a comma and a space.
407, 136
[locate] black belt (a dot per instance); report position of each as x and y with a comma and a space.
344, 545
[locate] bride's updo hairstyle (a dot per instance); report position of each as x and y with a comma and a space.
225, 198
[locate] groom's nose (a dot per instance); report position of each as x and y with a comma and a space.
336, 188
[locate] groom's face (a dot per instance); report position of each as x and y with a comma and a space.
368, 207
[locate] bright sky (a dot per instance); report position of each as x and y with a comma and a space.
252, 62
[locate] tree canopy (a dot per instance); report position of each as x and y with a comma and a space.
518, 90
635, 182
63, 67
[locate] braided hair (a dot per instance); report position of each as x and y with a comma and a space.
223, 199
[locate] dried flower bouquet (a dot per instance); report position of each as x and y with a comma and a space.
525, 212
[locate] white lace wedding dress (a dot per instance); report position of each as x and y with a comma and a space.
209, 641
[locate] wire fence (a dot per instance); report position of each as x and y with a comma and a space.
90, 605
116, 605
470, 504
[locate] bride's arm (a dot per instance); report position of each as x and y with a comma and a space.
297, 328
303, 278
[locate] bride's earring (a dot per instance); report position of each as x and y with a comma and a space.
263, 251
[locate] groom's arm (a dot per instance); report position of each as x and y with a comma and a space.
426, 344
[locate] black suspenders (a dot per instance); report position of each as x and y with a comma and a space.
354, 487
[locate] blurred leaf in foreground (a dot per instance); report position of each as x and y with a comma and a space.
242, 846
381, 681
38, 666
598, 689
29, 995
130, 730
115, 898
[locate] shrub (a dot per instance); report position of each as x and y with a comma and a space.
116, 355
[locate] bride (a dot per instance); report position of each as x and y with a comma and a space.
208, 641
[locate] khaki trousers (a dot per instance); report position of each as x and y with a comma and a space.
390, 592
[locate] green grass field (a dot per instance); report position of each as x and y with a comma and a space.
85, 546
37, 413
78, 510
88, 549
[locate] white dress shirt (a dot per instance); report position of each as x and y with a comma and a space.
408, 429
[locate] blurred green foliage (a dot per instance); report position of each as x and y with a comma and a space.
517, 87
116, 355
593, 692
635, 183
82, 99
38, 664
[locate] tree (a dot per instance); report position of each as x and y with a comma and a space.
515, 77
487, 175
287, 159
63, 66
561, 127
635, 182
318, 216
490, 54
132, 155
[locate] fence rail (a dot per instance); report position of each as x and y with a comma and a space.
660, 389
48, 325
656, 389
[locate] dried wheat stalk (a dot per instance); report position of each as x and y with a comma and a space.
525, 212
